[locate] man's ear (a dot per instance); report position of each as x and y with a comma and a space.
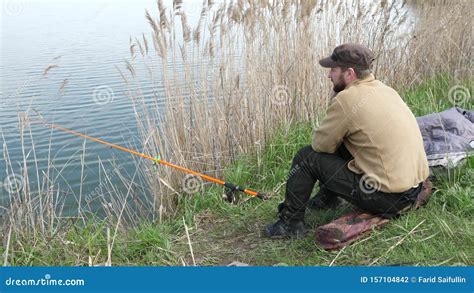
352, 72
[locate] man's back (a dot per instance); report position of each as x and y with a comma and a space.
380, 132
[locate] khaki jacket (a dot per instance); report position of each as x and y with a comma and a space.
380, 132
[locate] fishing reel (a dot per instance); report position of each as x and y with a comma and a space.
231, 191
230, 196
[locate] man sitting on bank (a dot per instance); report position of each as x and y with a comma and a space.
368, 149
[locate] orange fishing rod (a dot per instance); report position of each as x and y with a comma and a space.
230, 194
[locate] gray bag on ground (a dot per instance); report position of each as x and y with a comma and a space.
448, 136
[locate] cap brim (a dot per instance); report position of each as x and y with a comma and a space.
328, 63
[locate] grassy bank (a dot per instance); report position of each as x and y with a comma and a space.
208, 231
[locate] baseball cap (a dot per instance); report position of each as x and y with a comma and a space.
349, 55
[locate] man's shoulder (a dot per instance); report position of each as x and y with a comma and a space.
351, 95
356, 92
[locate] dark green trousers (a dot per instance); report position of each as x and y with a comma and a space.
335, 179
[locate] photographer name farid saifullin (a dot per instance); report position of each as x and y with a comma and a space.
447, 280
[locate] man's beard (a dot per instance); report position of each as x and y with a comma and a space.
339, 86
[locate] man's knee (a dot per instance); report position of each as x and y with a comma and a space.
304, 153
306, 159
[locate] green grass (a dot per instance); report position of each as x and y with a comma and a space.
221, 233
